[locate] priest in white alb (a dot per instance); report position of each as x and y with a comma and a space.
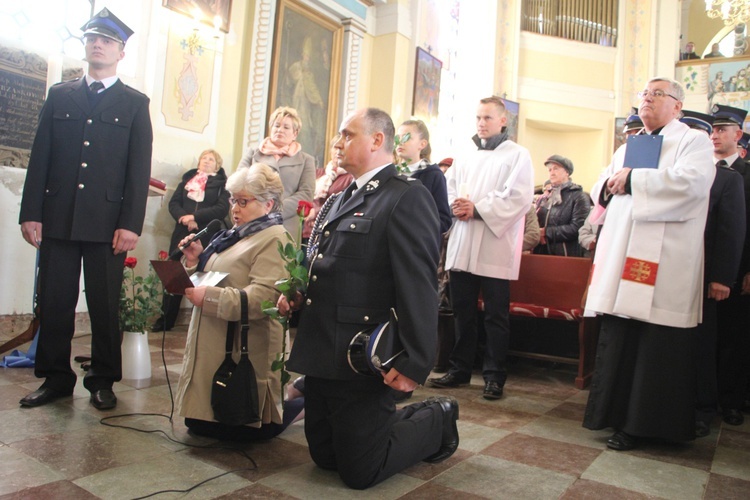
648, 274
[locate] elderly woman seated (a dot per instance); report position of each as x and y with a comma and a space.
249, 253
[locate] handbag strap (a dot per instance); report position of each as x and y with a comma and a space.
245, 326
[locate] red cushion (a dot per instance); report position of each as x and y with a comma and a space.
534, 311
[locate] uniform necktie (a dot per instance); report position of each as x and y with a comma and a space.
721, 163
349, 191
95, 87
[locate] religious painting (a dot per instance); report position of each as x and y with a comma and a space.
426, 86
188, 81
212, 12
729, 85
305, 74
511, 111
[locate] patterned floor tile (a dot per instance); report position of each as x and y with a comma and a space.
494, 478
544, 453
650, 477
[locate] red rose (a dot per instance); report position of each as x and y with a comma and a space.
131, 262
163, 255
303, 208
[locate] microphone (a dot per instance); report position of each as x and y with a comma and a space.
212, 226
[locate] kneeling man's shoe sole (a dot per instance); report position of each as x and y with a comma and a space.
449, 444
103, 399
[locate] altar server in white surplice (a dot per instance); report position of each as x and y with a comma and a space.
647, 278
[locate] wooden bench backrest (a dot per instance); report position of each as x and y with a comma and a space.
551, 281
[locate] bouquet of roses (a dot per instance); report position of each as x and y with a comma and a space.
140, 296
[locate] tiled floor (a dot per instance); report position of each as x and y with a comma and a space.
530, 444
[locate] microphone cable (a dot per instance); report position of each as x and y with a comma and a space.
106, 421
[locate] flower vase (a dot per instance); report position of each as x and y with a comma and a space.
136, 356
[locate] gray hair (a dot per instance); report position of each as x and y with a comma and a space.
377, 120
674, 87
259, 181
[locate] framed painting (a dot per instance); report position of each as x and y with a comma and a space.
212, 12
305, 74
426, 85
511, 111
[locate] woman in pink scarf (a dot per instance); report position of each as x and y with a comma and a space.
281, 151
198, 199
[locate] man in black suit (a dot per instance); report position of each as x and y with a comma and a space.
733, 313
85, 199
723, 241
373, 254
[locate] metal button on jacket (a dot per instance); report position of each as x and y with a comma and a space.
84, 165
308, 301
86, 143
80, 186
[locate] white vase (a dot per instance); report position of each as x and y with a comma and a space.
136, 357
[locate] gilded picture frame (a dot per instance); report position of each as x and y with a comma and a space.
306, 74
212, 12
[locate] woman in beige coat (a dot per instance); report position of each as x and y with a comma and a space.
249, 253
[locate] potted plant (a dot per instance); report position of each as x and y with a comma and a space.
140, 301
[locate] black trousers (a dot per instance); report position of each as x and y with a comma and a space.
733, 349
465, 288
353, 427
59, 277
707, 395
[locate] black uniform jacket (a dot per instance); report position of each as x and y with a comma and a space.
89, 168
725, 227
377, 250
742, 167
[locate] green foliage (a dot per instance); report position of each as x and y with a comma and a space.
294, 263
140, 300
402, 167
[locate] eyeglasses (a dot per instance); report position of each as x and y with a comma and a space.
242, 202
657, 94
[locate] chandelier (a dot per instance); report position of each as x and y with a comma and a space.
731, 11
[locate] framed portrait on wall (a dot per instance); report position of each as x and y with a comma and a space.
211, 12
426, 85
305, 74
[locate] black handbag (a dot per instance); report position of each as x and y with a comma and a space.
234, 392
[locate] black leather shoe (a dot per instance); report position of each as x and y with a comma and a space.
733, 417
622, 441
42, 396
449, 443
492, 390
446, 381
701, 429
401, 396
103, 399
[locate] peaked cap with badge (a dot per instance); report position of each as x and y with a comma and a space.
107, 24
